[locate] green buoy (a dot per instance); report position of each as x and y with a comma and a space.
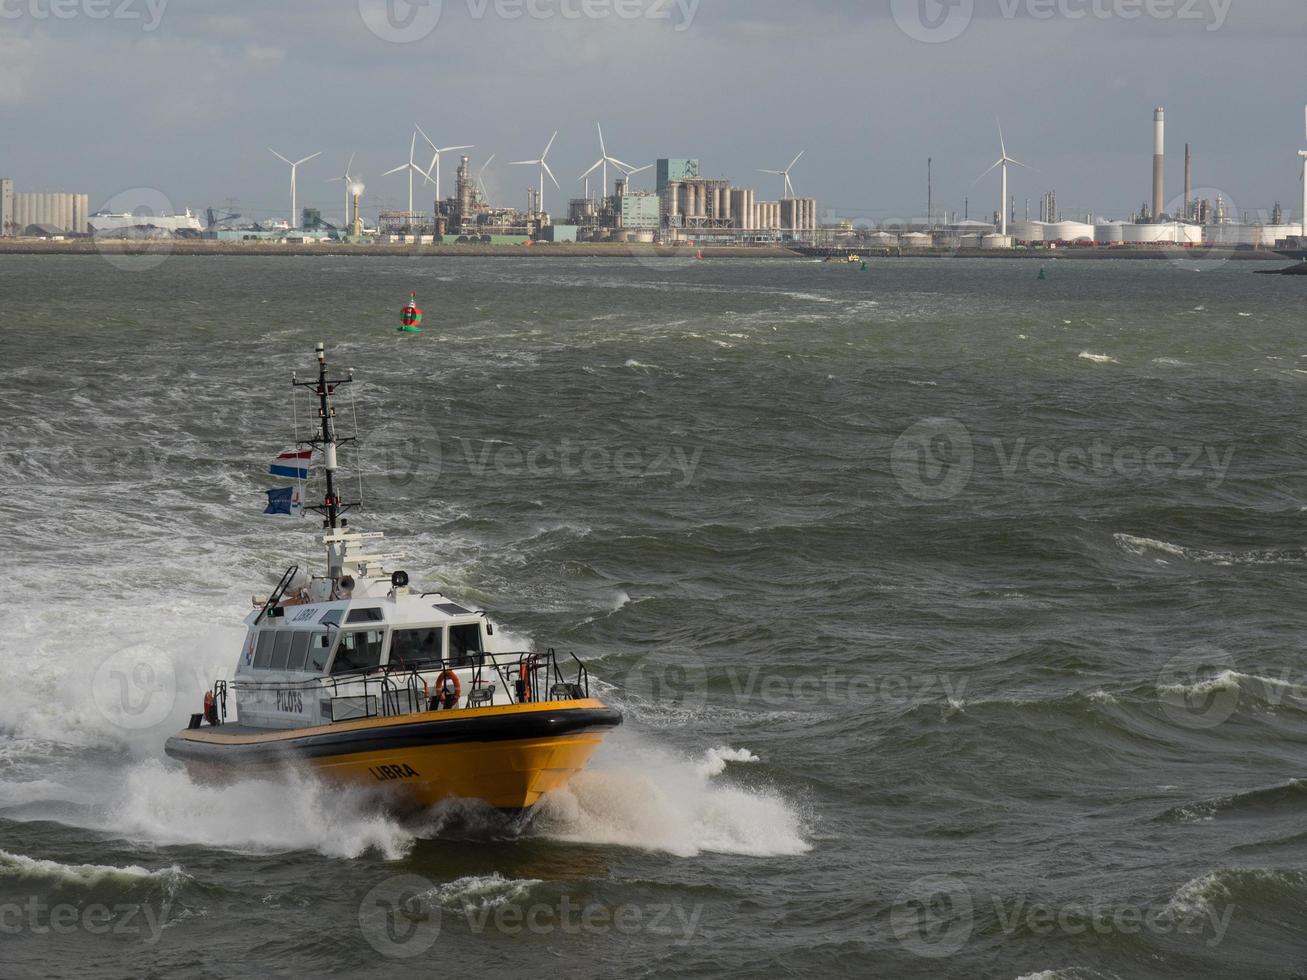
864, 267
1043, 273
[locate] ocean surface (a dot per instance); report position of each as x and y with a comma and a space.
956, 616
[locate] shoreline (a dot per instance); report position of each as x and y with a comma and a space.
627, 251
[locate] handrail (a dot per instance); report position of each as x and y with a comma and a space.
393, 684
277, 593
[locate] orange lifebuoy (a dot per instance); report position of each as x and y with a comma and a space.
210, 708
441, 691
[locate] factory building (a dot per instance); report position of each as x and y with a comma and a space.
699, 208
63, 214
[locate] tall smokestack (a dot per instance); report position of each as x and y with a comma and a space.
1188, 179
1159, 163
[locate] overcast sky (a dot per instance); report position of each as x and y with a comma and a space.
185, 96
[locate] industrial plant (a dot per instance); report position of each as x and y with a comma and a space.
684, 206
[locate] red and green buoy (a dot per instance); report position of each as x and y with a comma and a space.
410, 317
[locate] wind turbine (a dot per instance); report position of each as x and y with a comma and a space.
412, 169
603, 161
639, 170
544, 169
435, 162
349, 180
785, 176
294, 169
481, 184
1003, 161
1303, 154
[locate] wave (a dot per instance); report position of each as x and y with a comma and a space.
1142, 546
24, 868
1245, 888
481, 892
662, 802
1098, 358
1291, 796
161, 805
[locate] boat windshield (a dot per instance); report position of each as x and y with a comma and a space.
416, 647
358, 650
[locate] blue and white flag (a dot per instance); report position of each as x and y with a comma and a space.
293, 465
285, 501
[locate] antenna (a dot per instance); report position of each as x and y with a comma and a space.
326, 442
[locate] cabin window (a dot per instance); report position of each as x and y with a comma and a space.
281, 650
319, 652
465, 644
358, 650
372, 614
416, 647
263, 652
299, 649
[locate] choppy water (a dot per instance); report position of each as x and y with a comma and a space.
956, 615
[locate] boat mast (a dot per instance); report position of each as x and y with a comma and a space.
332, 507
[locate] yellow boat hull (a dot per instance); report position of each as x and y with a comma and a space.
508, 757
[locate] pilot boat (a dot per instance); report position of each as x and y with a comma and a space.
363, 679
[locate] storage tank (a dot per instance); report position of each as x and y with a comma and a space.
916, 239
1028, 231
1148, 234
996, 241
1109, 233
1070, 232
883, 238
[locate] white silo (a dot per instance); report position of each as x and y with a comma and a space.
1109, 233
1071, 232
1028, 231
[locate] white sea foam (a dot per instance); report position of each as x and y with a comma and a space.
1098, 358
160, 804
660, 801
481, 892
22, 867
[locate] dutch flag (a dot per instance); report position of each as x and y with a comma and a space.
293, 465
